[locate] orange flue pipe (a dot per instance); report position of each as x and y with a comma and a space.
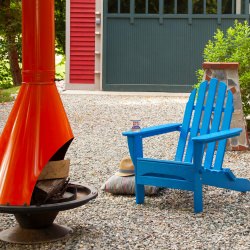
37, 128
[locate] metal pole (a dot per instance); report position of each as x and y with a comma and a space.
38, 42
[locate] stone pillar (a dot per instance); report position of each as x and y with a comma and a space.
228, 73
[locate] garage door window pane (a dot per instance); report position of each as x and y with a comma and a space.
113, 6
153, 6
211, 7
125, 6
182, 6
140, 6
228, 8
197, 6
168, 6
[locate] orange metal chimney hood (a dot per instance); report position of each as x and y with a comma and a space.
37, 129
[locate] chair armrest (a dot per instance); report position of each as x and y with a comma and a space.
216, 136
156, 130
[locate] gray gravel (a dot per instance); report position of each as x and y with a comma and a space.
116, 222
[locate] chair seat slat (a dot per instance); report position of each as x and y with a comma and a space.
148, 166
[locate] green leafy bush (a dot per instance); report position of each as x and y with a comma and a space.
232, 46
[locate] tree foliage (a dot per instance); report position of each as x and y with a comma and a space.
5, 75
60, 25
11, 42
10, 36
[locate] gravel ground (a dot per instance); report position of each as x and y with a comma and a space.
165, 221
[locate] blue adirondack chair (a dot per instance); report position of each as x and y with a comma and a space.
195, 163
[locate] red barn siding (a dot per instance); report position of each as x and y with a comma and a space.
82, 41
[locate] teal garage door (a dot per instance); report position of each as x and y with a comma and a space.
157, 45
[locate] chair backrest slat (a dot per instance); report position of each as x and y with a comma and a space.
196, 120
229, 109
208, 107
210, 112
185, 127
215, 124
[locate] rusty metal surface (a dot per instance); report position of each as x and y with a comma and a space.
84, 195
29, 236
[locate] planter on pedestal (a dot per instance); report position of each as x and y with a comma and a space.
228, 73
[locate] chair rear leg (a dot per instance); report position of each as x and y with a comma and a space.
139, 193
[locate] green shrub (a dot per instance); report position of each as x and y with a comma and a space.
199, 75
245, 92
232, 46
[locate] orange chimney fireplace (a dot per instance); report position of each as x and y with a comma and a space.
37, 129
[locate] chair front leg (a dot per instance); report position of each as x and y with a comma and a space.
198, 152
136, 151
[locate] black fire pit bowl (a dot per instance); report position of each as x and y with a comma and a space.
36, 222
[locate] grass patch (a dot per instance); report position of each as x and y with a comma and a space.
6, 95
